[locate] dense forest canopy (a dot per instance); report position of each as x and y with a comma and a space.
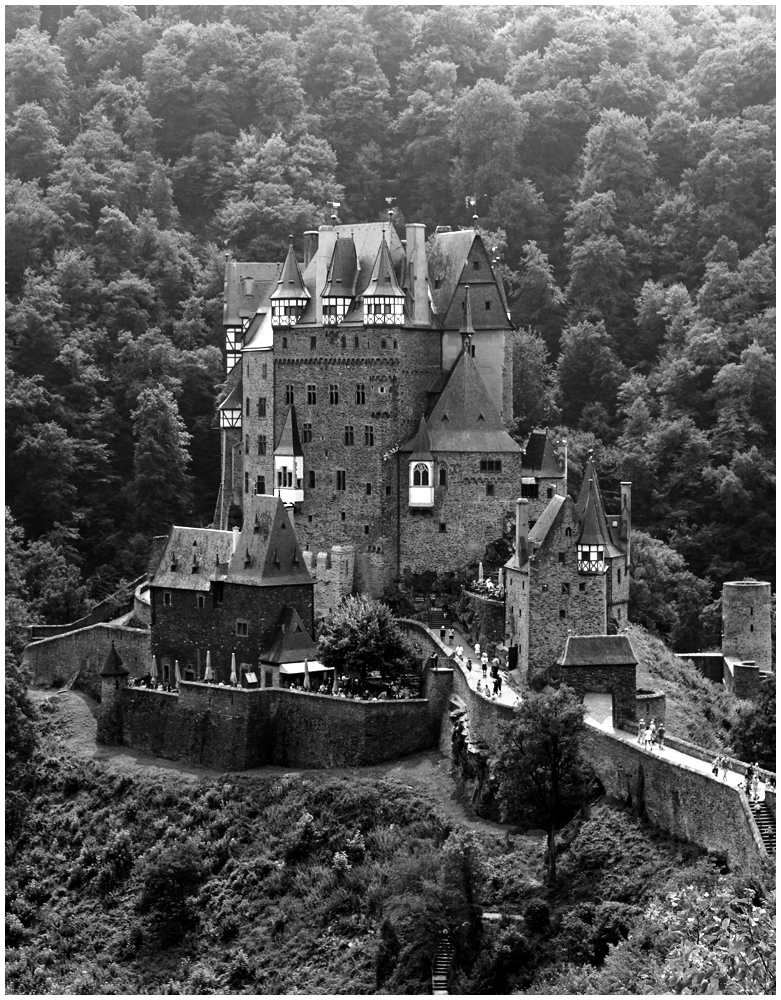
620, 158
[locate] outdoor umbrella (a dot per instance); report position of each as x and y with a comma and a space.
208, 675
153, 671
336, 681
234, 678
306, 675
480, 572
177, 674
500, 581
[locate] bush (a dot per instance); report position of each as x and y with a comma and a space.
537, 915
168, 881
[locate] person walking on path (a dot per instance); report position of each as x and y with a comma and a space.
717, 762
469, 666
724, 767
442, 633
479, 687
451, 637
650, 737
660, 736
477, 649
641, 731
497, 682
459, 652
484, 664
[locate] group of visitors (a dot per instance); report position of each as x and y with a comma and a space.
754, 787
351, 688
650, 735
719, 764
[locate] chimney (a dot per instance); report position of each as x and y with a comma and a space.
522, 531
310, 246
326, 239
418, 272
235, 543
626, 518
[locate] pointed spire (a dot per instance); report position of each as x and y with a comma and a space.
289, 440
594, 530
291, 284
421, 449
383, 280
113, 665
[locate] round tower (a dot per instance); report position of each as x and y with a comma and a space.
113, 680
745, 618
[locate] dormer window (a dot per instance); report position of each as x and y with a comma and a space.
334, 310
382, 310
249, 286
289, 298
421, 490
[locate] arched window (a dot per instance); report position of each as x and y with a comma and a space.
443, 475
420, 475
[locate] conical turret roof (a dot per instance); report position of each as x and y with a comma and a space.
342, 270
383, 280
289, 441
291, 284
113, 665
421, 449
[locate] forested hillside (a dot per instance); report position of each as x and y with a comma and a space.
620, 159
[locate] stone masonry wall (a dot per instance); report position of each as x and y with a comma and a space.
561, 600
184, 631
464, 518
59, 659
334, 575
259, 433
746, 622
684, 802
517, 617
651, 705
710, 665
620, 681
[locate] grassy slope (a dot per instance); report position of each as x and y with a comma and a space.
697, 709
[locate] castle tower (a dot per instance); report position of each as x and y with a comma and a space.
113, 680
746, 622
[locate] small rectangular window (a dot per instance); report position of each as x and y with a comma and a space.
166, 597
333, 394
307, 433
360, 394
312, 343
562, 614
246, 444
262, 406
549, 492
261, 444
582, 587
475, 265
565, 588
544, 588
311, 394
284, 342
530, 491
368, 435
341, 479
489, 489
491, 465
366, 529
562, 557
356, 342
288, 395
383, 342
387, 491
619, 580
368, 489
442, 527
218, 593
246, 482
264, 371
312, 478
201, 601
344, 516
488, 305
443, 476
349, 434
242, 628
472, 349
260, 485
247, 405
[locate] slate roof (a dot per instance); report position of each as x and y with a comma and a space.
289, 441
343, 271
113, 665
291, 284
539, 459
464, 418
547, 519
236, 304
447, 258
291, 642
383, 280
598, 650
595, 530
267, 553
421, 450
260, 334
233, 401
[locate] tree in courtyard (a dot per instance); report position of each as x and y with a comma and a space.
362, 635
542, 772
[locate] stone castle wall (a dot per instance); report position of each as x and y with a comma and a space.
58, 660
746, 622
684, 802
620, 681
334, 575
485, 619
562, 600
651, 705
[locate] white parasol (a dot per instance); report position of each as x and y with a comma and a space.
306, 675
480, 572
177, 673
208, 674
234, 677
153, 671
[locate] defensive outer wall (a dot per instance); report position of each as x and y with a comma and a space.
235, 729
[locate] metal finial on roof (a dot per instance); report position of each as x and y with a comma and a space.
290, 239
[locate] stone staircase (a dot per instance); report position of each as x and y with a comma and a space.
440, 966
436, 619
767, 827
